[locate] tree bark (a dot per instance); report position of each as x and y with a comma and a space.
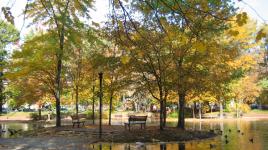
1, 92
165, 113
161, 115
221, 110
93, 104
110, 108
58, 86
181, 116
200, 110
76, 99
194, 107
39, 113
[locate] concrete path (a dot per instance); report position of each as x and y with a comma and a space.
44, 143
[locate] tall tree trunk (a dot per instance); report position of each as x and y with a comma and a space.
76, 99
39, 113
211, 111
165, 113
93, 104
200, 110
193, 110
181, 116
1, 84
58, 78
237, 109
161, 115
221, 110
1, 93
110, 108
58, 91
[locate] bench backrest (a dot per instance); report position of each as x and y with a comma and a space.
137, 118
75, 117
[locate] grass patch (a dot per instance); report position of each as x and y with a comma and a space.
259, 111
172, 115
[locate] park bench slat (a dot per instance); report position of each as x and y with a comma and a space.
77, 120
136, 120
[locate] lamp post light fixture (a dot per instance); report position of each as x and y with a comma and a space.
100, 105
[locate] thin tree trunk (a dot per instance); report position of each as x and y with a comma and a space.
221, 110
165, 113
194, 109
211, 111
39, 113
161, 115
200, 110
181, 116
76, 99
58, 92
237, 109
193, 113
1, 86
1, 93
93, 104
110, 108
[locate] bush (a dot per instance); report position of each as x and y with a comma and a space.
89, 113
187, 113
172, 115
244, 108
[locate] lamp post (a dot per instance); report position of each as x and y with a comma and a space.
100, 106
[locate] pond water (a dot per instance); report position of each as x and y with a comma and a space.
5, 126
249, 129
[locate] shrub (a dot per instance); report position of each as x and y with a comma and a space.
89, 113
187, 113
173, 115
244, 108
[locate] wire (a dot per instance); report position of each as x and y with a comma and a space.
264, 21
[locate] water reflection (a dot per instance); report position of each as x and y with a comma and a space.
8, 127
239, 134
133, 146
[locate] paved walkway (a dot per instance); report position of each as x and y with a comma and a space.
42, 143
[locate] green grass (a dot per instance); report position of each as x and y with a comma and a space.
21, 114
172, 115
259, 111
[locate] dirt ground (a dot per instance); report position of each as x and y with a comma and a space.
118, 134
67, 137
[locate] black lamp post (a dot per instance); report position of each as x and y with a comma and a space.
100, 109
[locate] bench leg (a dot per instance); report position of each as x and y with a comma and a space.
73, 124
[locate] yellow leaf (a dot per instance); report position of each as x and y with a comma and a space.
199, 46
233, 32
261, 34
125, 59
241, 18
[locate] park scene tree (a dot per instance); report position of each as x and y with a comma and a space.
148, 72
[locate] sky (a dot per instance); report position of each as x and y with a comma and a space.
254, 8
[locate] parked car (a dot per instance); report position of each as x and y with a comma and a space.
4, 110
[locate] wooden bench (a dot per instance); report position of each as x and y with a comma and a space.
136, 120
78, 120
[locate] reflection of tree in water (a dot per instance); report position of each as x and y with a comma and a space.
163, 147
181, 146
